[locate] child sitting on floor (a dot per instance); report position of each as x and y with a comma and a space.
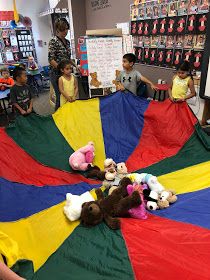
181, 83
21, 93
129, 78
68, 86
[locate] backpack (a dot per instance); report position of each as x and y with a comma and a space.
142, 90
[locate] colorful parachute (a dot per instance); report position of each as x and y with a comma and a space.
165, 139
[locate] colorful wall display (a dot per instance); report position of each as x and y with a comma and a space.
169, 31
82, 53
16, 40
16, 45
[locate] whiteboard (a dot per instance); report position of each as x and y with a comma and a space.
207, 89
104, 60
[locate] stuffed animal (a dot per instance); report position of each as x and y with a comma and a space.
96, 172
116, 82
149, 179
140, 211
110, 208
151, 198
166, 198
109, 164
122, 170
82, 159
111, 175
73, 206
94, 80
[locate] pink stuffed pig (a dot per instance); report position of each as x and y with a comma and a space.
140, 211
82, 158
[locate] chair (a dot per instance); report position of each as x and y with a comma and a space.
162, 89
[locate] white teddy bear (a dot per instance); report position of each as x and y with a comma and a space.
73, 206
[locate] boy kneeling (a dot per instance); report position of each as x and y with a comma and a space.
20, 93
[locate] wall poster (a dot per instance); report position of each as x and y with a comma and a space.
104, 64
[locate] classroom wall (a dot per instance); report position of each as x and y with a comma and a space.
79, 18
40, 27
120, 12
107, 17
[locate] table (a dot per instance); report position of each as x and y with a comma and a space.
3, 96
162, 89
33, 72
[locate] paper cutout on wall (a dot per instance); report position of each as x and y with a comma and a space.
153, 56
182, 8
181, 24
197, 60
170, 42
189, 41
201, 24
147, 27
140, 41
156, 11
163, 26
161, 53
154, 41
203, 6
192, 7
163, 10
133, 28
177, 60
191, 24
172, 10
179, 41
162, 41
146, 55
188, 55
139, 54
169, 57
200, 41
140, 27
171, 25
148, 11
147, 41
155, 26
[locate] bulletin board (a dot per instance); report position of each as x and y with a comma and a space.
82, 55
104, 63
16, 45
25, 43
9, 51
166, 33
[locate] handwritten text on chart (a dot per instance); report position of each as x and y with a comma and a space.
104, 58
100, 4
